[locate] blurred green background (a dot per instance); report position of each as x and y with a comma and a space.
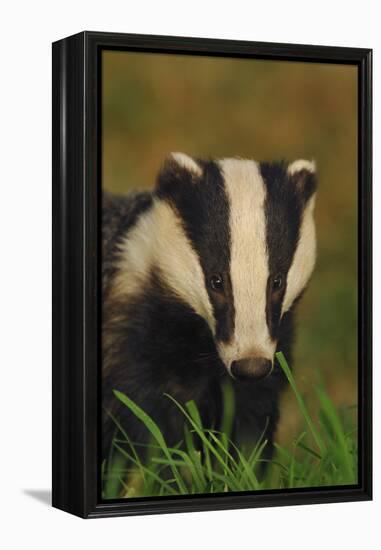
265, 110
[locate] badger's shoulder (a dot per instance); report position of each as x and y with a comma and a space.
119, 214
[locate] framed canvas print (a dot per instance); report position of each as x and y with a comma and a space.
211, 274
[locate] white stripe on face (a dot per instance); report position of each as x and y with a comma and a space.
158, 241
304, 257
249, 261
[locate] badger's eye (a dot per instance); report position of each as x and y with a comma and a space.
217, 283
277, 282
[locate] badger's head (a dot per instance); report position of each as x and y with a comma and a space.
235, 240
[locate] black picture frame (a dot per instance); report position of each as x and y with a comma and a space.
76, 264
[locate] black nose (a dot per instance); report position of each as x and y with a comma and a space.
258, 367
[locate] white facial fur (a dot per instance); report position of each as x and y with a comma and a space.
305, 254
158, 242
249, 261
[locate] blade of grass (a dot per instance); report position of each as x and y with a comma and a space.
185, 462
112, 485
228, 399
286, 369
155, 432
199, 431
308, 450
260, 440
337, 427
148, 471
220, 445
229, 481
195, 415
246, 471
125, 435
194, 454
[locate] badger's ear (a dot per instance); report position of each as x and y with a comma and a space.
302, 175
185, 162
177, 168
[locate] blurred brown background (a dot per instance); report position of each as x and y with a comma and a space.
265, 110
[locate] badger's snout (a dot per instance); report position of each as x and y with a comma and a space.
251, 368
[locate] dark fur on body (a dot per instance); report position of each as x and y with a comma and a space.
155, 345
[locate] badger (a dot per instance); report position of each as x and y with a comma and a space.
200, 281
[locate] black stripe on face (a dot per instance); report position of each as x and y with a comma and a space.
203, 207
283, 210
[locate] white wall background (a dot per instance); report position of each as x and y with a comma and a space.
27, 29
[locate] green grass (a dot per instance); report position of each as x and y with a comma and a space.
324, 453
